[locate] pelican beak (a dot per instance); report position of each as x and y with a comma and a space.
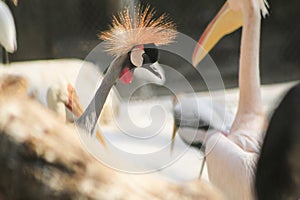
225, 22
175, 129
75, 107
154, 68
73, 102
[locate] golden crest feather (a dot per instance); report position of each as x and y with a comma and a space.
127, 31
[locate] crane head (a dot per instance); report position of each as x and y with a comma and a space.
145, 56
138, 34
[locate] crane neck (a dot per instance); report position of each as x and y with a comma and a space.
89, 118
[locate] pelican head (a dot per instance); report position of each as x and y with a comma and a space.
62, 96
228, 19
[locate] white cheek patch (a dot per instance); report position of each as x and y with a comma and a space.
136, 57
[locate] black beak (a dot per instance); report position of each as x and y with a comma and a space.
154, 68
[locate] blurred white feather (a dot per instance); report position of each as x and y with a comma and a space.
7, 29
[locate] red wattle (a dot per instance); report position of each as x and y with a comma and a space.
126, 75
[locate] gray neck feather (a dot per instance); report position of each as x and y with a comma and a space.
89, 118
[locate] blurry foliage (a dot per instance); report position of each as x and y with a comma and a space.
69, 28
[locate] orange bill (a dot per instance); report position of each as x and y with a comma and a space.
225, 22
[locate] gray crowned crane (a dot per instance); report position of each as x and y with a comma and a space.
8, 39
58, 79
133, 40
231, 159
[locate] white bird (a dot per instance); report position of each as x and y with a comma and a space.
62, 98
52, 84
8, 39
47, 79
231, 159
192, 112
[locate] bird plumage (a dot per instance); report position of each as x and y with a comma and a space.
13, 84
131, 29
264, 5
57, 99
192, 112
62, 97
231, 159
132, 39
199, 112
7, 29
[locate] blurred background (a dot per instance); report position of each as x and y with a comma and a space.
68, 29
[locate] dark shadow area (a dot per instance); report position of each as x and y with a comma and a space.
69, 28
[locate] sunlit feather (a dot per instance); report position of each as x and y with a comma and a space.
129, 30
263, 4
